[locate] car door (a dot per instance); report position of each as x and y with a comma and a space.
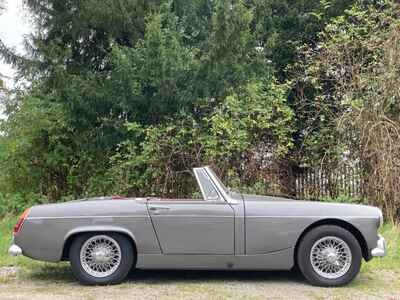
194, 226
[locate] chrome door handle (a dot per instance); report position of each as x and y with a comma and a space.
157, 209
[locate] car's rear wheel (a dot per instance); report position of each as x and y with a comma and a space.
101, 258
329, 255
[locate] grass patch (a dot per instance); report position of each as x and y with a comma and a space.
6, 227
391, 261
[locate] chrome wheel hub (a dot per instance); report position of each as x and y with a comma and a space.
330, 257
100, 256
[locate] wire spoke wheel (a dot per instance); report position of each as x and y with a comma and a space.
100, 256
330, 257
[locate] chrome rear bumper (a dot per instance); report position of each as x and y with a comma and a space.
14, 250
380, 249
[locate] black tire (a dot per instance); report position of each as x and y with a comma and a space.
304, 251
128, 258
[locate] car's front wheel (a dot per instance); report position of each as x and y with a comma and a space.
329, 255
101, 258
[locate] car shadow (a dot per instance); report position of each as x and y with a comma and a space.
170, 276
63, 273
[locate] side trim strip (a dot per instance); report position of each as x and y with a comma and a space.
191, 216
86, 217
320, 216
195, 216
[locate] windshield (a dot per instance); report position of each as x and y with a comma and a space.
221, 184
207, 187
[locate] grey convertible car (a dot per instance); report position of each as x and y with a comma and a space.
104, 238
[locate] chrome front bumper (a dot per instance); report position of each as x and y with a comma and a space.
14, 250
380, 249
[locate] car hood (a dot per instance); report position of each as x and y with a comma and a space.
285, 206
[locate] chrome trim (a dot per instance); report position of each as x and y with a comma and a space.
100, 256
86, 217
316, 216
219, 187
192, 216
214, 184
200, 203
14, 250
380, 249
331, 257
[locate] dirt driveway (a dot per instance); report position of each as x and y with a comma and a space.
57, 283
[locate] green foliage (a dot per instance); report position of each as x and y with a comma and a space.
148, 64
33, 153
155, 166
233, 132
283, 26
124, 96
349, 45
155, 78
257, 188
11, 204
258, 113
343, 199
352, 77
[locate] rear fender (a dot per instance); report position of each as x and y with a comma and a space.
95, 228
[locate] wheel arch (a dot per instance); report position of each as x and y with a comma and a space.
341, 223
71, 235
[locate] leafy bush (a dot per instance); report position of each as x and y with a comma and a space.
343, 199
11, 204
132, 93
353, 73
248, 128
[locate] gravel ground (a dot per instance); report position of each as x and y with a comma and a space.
57, 283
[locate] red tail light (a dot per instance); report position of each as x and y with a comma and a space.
21, 220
